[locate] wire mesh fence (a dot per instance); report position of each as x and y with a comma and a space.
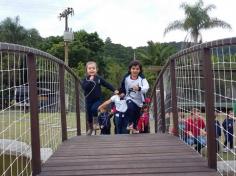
224, 65
15, 120
17, 151
195, 120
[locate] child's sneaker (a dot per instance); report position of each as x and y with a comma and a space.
225, 150
134, 131
130, 127
96, 127
89, 132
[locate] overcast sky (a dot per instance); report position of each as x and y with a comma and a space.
128, 22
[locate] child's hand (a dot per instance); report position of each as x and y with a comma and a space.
99, 108
91, 77
116, 92
136, 88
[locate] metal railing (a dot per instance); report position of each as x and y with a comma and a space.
41, 105
192, 96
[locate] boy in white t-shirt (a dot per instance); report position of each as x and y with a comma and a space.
120, 116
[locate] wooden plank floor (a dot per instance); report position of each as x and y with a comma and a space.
139, 154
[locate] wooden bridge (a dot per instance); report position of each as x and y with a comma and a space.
139, 154
52, 125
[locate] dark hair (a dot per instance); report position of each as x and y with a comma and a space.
135, 63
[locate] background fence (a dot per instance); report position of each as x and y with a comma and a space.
198, 90
41, 104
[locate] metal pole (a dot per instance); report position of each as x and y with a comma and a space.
155, 108
77, 107
209, 107
62, 100
163, 119
66, 52
174, 98
34, 117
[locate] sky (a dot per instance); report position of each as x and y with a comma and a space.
127, 22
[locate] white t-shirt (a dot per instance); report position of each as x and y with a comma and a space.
121, 105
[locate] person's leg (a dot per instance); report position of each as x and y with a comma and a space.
133, 113
200, 143
114, 122
118, 123
189, 140
90, 118
225, 142
231, 145
94, 110
124, 124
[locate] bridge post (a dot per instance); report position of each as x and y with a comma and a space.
77, 107
34, 114
62, 101
174, 98
155, 107
163, 119
209, 107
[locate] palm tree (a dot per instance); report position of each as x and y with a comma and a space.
156, 53
196, 19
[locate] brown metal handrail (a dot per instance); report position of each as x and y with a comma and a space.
207, 70
33, 95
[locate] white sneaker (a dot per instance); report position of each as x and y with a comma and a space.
89, 132
225, 150
130, 127
134, 131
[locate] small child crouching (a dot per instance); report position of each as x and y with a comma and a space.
104, 121
143, 122
121, 120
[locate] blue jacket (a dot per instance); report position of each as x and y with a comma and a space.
92, 88
228, 125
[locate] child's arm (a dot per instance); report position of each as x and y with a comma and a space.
103, 105
144, 87
106, 84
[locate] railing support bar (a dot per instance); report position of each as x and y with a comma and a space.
163, 119
34, 114
155, 108
174, 98
62, 101
77, 107
209, 108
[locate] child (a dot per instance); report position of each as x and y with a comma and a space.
143, 121
120, 114
104, 121
228, 128
134, 86
91, 85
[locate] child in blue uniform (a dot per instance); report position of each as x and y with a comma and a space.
91, 85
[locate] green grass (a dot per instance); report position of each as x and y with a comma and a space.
15, 125
13, 166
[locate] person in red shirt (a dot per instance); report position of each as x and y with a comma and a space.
194, 127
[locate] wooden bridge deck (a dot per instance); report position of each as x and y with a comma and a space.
141, 154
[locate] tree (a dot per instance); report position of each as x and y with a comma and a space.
156, 53
12, 32
196, 19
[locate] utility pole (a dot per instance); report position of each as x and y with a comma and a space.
134, 58
68, 35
